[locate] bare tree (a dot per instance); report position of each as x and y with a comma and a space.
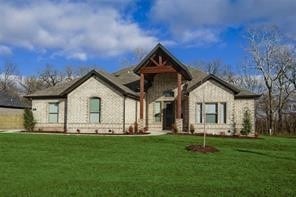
137, 55
50, 76
249, 80
83, 70
8, 75
285, 61
69, 73
31, 84
263, 44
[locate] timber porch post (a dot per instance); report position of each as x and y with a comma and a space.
141, 121
179, 120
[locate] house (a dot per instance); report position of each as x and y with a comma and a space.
11, 111
157, 93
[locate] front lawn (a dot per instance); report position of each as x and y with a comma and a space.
58, 165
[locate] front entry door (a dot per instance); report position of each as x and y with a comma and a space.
168, 115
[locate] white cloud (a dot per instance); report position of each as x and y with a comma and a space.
4, 50
74, 29
202, 21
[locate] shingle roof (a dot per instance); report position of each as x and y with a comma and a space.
11, 101
127, 82
62, 89
55, 90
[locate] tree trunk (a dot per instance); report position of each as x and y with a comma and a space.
270, 119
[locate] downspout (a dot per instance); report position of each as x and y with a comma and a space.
65, 115
123, 126
136, 115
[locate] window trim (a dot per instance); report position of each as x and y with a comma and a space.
160, 112
224, 108
99, 112
216, 114
200, 113
50, 113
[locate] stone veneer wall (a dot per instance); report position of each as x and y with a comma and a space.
161, 82
40, 113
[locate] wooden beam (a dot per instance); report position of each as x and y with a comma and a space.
152, 60
142, 96
160, 60
179, 81
158, 69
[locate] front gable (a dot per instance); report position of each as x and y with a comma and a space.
160, 60
217, 81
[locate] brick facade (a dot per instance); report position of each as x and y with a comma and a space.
119, 112
213, 92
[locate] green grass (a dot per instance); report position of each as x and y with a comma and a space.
57, 165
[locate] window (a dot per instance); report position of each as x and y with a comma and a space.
211, 113
95, 110
53, 112
223, 113
168, 93
157, 111
198, 113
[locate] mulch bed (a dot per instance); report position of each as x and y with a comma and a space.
57, 132
201, 149
218, 136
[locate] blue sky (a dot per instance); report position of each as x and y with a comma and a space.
106, 32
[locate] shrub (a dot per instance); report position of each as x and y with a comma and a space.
192, 129
174, 128
29, 122
130, 129
247, 124
136, 127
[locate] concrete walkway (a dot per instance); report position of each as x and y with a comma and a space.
11, 131
151, 133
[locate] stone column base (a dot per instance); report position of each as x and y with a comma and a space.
141, 124
179, 124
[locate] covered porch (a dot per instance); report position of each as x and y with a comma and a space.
161, 79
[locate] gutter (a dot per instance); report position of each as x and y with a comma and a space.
123, 120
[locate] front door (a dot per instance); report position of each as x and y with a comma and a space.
168, 115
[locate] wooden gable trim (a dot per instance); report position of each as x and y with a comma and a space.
174, 62
158, 69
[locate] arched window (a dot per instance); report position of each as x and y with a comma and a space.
95, 110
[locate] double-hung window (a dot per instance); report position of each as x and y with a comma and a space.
53, 112
95, 110
198, 113
211, 113
157, 111
223, 113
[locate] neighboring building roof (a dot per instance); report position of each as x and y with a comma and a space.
61, 90
9, 100
183, 69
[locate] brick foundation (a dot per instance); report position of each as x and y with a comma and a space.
179, 124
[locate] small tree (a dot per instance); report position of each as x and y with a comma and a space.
247, 124
29, 122
192, 129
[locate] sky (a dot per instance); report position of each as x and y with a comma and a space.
106, 33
